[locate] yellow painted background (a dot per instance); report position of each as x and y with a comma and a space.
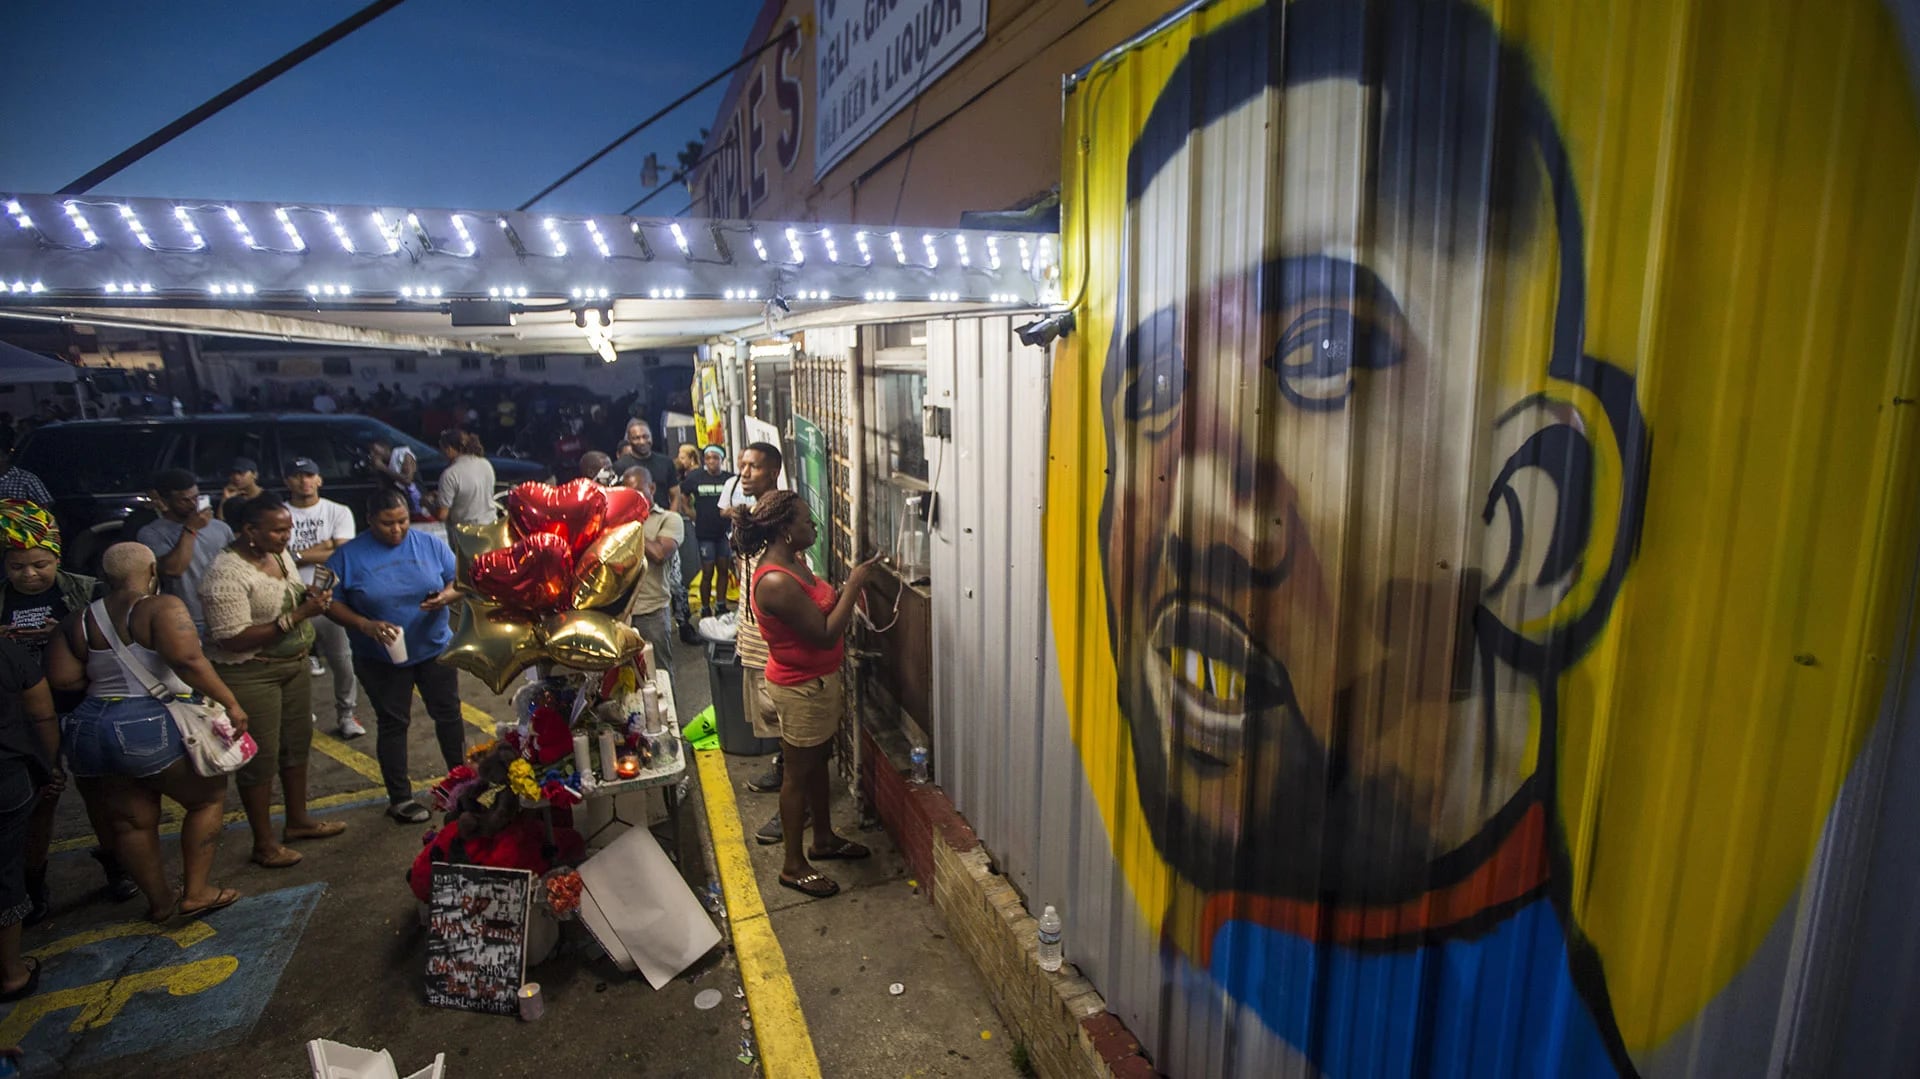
1747, 176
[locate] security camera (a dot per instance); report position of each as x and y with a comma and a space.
1041, 331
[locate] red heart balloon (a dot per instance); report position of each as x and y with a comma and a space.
624, 504
533, 575
573, 511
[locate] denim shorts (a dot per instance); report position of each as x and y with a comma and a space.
120, 736
714, 551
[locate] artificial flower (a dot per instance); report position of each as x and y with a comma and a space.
481, 750
520, 778
563, 892
559, 794
552, 739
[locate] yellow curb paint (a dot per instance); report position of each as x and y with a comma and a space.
476, 717
82, 842
779, 1027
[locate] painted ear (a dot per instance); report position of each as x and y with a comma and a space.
1540, 523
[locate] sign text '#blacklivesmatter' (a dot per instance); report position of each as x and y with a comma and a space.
477, 937
875, 56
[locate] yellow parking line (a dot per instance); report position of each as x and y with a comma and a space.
347, 755
173, 827
786, 1048
476, 717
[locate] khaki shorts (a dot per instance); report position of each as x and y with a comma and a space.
753, 700
810, 712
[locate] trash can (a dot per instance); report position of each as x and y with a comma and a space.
729, 716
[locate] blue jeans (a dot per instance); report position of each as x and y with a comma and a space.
119, 736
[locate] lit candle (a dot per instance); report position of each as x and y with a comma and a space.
532, 1004
629, 765
581, 762
608, 764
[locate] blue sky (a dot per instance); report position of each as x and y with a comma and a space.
457, 103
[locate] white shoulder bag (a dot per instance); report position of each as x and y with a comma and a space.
213, 746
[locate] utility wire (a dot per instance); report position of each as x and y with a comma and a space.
676, 103
677, 177
228, 96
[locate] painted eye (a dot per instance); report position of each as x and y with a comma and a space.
1318, 353
1159, 370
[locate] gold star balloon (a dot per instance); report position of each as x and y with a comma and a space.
469, 540
492, 646
589, 640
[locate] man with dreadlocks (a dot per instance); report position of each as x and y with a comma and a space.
803, 620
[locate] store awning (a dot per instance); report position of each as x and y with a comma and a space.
487, 281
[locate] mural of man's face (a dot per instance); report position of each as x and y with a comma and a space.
1305, 417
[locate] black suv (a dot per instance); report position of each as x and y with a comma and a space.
98, 470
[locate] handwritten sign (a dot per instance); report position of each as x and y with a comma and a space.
875, 56
477, 937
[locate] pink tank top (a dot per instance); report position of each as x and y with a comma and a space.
790, 660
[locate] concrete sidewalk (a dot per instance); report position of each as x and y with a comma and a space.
331, 949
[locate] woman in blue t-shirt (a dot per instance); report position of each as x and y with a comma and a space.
393, 589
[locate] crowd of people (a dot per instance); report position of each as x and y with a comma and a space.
536, 423
246, 600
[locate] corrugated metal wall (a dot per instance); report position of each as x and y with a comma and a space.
1467, 629
992, 755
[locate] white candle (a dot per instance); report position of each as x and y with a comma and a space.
581, 762
650, 705
609, 764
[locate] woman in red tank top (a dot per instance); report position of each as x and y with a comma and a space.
804, 622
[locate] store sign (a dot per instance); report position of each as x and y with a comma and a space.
765, 125
875, 56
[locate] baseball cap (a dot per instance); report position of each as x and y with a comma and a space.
243, 464
303, 466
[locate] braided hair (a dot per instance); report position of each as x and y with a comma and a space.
755, 527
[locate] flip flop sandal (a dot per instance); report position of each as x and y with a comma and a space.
813, 884
172, 911
27, 990
845, 850
283, 860
325, 829
228, 897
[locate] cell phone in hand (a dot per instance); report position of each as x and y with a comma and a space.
323, 579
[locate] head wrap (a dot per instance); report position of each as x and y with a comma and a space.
26, 525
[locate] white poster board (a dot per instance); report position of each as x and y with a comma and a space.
873, 57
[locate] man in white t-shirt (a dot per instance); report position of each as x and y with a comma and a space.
319, 527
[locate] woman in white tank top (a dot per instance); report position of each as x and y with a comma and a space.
121, 745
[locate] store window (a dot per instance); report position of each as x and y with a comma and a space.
773, 393
896, 391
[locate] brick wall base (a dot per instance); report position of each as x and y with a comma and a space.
1061, 1019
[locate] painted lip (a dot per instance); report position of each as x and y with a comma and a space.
1216, 684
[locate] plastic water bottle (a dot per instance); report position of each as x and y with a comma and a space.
920, 775
1050, 954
